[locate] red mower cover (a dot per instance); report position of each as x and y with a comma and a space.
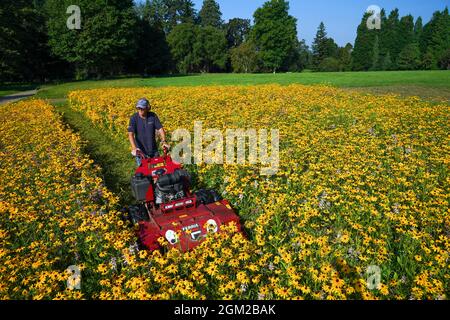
167, 208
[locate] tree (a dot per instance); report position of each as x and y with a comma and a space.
428, 61
210, 49
389, 39
24, 54
406, 34
237, 31
376, 55
181, 42
364, 46
409, 58
319, 47
345, 57
418, 29
244, 58
153, 11
275, 34
304, 56
153, 53
387, 62
210, 14
105, 41
331, 48
444, 63
175, 12
329, 64
435, 38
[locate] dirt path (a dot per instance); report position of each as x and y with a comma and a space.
17, 96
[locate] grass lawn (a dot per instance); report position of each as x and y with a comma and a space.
427, 84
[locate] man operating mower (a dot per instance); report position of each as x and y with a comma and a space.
142, 130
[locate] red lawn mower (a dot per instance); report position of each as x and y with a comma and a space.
167, 208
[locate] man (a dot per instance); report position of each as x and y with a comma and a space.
141, 132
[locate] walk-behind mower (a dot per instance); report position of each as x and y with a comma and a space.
167, 208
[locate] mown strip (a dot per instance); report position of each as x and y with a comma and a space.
111, 154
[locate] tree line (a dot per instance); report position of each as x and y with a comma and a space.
169, 36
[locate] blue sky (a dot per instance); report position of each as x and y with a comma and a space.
341, 17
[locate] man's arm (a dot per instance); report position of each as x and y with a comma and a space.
132, 136
162, 135
132, 140
135, 151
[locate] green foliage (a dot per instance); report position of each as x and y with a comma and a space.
409, 58
237, 31
153, 53
364, 46
303, 57
181, 41
435, 38
376, 55
197, 48
275, 34
406, 35
210, 14
345, 57
401, 43
428, 61
329, 64
244, 58
210, 49
175, 12
105, 41
319, 47
387, 62
390, 35
24, 55
157, 36
444, 63
418, 29
324, 48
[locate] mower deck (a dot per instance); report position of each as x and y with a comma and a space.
167, 208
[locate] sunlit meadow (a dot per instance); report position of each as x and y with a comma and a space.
363, 181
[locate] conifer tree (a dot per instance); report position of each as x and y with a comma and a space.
210, 14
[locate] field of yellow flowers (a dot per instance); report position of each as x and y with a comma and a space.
363, 181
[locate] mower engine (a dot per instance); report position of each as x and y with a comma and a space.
167, 208
170, 187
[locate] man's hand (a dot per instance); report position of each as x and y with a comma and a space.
162, 135
164, 144
136, 152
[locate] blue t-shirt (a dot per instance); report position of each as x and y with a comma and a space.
144, 130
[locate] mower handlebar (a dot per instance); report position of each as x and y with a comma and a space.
142, 156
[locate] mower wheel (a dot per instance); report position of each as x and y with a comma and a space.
207, 196
137, 214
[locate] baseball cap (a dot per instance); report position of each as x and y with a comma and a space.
143, 104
